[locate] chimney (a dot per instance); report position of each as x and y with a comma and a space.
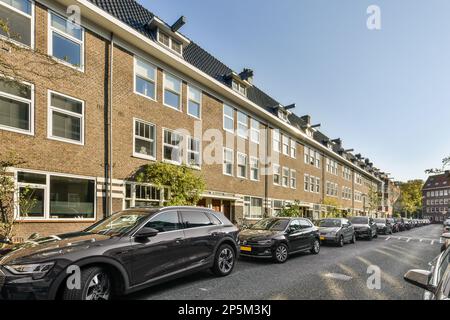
247, 75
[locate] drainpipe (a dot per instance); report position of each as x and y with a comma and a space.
109, 183
266, 180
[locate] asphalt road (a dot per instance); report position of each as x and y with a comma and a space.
336, 273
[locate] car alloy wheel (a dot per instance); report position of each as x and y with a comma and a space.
99, 287
316, 247
226, 260
353, 238
341, 241
281, 253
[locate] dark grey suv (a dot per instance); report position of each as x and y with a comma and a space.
126, 252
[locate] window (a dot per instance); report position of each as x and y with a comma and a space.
228, 162
242, 125
285, 145
293, 149
144, 79
276, 140
238, 87
57, 197
165, 222
346, 173
332, 166
346, 193
144, 195
358, 178
358, 196
241, 165
195, 219
66, 118
276, 174
144, 140
194, 102
254, 169
19, 14
16, 107
293, 179
171, 147
307, 181
193, 153
253, 208
228, 118
332, 189
254, 131
312, 157
312, 184
317, 185
172, 91
285, 180
169, 42
66, 41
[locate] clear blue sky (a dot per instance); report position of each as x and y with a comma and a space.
385, 93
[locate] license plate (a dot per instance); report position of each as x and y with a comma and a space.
248, 249
322, 238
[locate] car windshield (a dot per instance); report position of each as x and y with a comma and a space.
380, 220
330, 223
360, 220
271, 224
119, 223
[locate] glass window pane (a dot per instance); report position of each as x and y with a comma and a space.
194, 109
14, 114
165, 222
172, 99
145, 87
66, 26
19, 26
36, 197
71, 198
144, 147
66, 104
176, 46
172, 83
145, 70
164, 38
32, 178
65, 126
22, 5
66, 50
228, 111
194, 94
15, 88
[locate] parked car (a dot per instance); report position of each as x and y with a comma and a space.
435, 282
277, 238
395, 226
407, 223
337, 231
365, 227
447, 225
384, 226
446, 239
400, 224
129, 251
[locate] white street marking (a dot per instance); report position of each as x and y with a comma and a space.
338, 276
387, 238
432, 242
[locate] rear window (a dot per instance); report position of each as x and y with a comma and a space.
195, 219
214, 219
359, 220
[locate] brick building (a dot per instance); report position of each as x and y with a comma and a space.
436, 197
136, 90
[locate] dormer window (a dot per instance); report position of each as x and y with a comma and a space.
170, 42
283, 115
309, 133
239, 87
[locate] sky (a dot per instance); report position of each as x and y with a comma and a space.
385, 92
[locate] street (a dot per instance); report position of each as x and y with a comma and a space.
336, 273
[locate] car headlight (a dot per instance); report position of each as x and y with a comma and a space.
36, 270
264, 242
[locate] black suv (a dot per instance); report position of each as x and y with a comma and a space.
277, 238
128, 251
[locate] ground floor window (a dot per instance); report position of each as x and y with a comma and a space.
253, 208
144, 195
57, 197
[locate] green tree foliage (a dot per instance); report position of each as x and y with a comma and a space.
185, 185
332, 208
373, 199
411, 196
292, 210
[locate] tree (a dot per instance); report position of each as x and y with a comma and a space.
292, 210
332, 208
445, 164
185, 185
373, 199
8, 204
411, 197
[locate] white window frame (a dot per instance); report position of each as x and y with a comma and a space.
254, 165
276, 138
179, 147
188, 99
170, 43
30, 103
285, 147
228, 117
293, 179
140, 155
224, 168
255, 130
32, 24
51, 29
239, 154
283, 175
189, 151
180, 94
51, 109
154, 81
306, 182
277, 172
293, 149
46, 189
239, 123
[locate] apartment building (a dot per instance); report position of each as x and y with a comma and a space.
135, 90
436, 197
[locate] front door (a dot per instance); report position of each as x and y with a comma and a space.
162, 254
217, 205
227, 209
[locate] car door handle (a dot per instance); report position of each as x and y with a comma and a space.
179, 240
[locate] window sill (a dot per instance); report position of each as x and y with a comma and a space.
143, 157
81, 144
172, 107
67, 64
11, 129
144, 96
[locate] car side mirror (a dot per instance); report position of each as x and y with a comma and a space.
146, 233
419, 278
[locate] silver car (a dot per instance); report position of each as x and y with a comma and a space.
337, 231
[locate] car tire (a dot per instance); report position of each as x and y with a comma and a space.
353, 241
224, 261
375, 235
370, 237
315, 249
281, 253
341, 241
95, 283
